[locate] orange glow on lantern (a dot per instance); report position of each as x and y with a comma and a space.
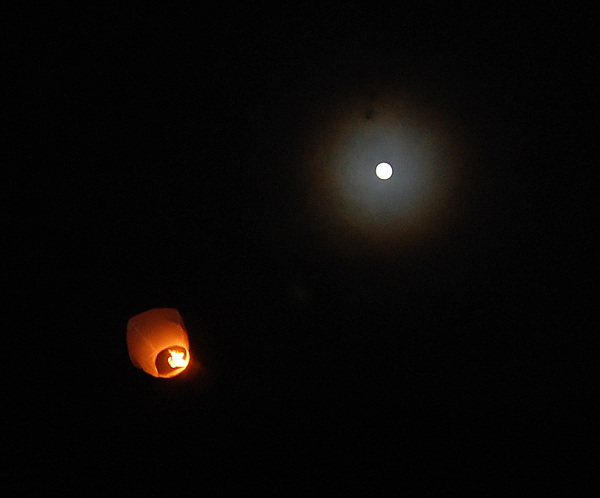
158, 342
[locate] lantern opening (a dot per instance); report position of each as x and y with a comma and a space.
171, 359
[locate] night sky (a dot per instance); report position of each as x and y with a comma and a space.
165, 163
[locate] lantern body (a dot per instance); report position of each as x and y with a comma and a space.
158, 342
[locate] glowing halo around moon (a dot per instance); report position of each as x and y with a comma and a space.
351, 210
384, 171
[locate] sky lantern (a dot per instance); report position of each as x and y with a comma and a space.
158, 342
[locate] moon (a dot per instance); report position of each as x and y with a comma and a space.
384, 171
386, 185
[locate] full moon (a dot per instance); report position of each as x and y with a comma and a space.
383, 171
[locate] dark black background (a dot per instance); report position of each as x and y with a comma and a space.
157, 169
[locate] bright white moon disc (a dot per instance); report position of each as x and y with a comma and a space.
383, 171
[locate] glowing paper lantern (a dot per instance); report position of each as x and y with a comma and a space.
158, 342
